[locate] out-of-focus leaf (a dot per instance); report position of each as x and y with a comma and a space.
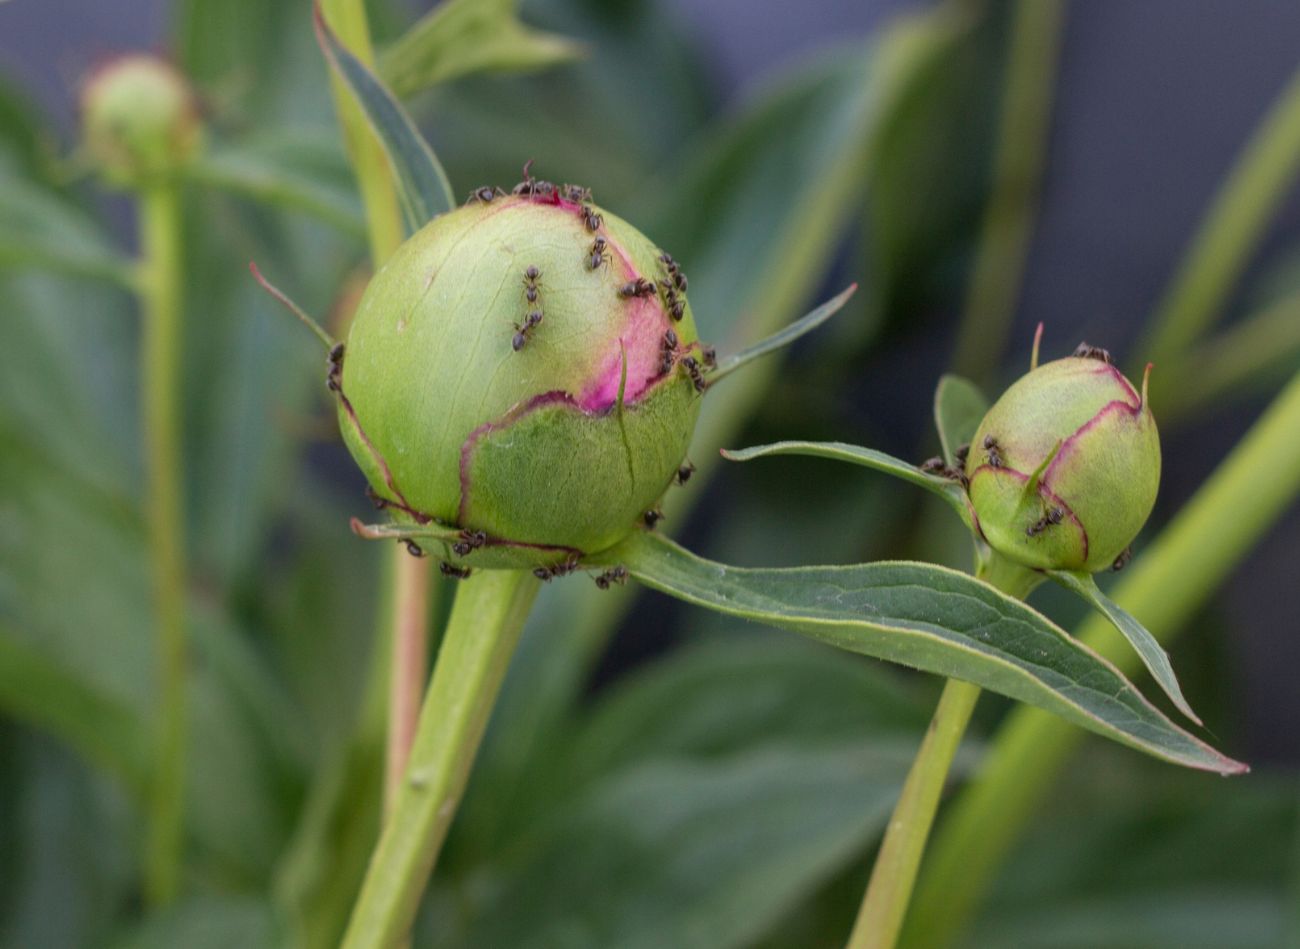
38, 229
959, 407
934, 619
296, 172
208, 922
422, 185
945, 488
461, 37
1152, 654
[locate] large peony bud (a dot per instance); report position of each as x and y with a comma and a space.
1064, 468
525, 368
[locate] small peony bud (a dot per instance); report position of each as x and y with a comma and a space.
1065, 466
139, 119
521, 369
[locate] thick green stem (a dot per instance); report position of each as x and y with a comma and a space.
1020, 159
884, 907
481, 634
1165, 587
160, 289
1233, 227
407, 665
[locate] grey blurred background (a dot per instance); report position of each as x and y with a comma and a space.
1153, 102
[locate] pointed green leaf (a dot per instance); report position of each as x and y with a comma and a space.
461, 37
946, 488
422, 185
934, 619
1151, 652
784, 337
959, 407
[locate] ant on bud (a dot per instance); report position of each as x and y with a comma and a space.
1086, 351
451, 570
675, 306
334, 377
710, 357
414, 549
547, 574
692, 367
598, 254
484, 195
524, 331
576, 193
528, 186
640, 287
612, 575
469, 542
667, 352
684, 473
961, 454
1122, 560
1051, 518
993, 453
590, 218
652, 517
937, 466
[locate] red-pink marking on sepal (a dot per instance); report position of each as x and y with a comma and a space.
641, 340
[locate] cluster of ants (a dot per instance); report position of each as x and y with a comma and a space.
524, 330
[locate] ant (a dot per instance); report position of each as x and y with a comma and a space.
469, 542
961, 454
484, 195
640, 287
612, 575
547, 574
994, 453
523, 331
525, 187
1122, 560
667, 352
676, 307
1052, 517
652, 517
531, 276
684, 473
692, 368
590, 218
414, 549
937, 466
599, 255
451, 570
334, 378
710, 357
576, 193
1085, 351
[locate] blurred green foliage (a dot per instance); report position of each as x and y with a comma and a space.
725, 793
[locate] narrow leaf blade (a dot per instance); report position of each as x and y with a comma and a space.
934, 619
959, 406
1152, 654
945, 488
422, 184
784, 337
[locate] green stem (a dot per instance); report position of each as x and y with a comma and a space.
1165, 587
160, 289
1017, 176
884, 907
1231, 230
481, 634
406, 668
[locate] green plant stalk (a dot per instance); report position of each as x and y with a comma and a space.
889, 890
1165, 587
160, 291
1017, 176
1231, 230
480, 638
411, 579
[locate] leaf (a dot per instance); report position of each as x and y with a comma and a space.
934, 619
1148, 649
945, 488
784, 337
959, 407
291, 171
41, 231
462, 37
422, 185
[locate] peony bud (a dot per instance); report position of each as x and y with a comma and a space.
140, 119
525, 368
1064, 468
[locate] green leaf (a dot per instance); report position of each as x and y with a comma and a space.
462, 37
959, 407
934, 619
287, 170
1151, 652
945, 488
422, 186
40, 230
784, 337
